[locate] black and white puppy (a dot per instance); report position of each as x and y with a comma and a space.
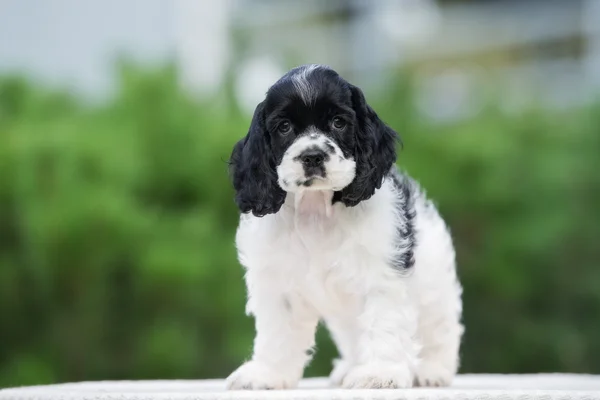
330, 230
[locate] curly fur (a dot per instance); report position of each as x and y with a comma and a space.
253, 170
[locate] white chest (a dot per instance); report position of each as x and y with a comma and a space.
325, 253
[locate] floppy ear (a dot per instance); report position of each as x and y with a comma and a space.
252, 168
374, 152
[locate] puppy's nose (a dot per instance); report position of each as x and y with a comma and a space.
313, 157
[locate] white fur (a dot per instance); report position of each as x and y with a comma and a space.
313, 260
305, 89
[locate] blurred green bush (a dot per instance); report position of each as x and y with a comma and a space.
117, 224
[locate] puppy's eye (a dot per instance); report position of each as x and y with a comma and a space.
284, 128
339, 123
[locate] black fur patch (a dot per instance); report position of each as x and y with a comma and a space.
252, 168
405, 232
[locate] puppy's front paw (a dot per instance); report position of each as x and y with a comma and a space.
378, 376
254, 375
433, 374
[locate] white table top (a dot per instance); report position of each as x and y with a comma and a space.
505, 387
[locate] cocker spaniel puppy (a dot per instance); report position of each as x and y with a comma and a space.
332, 231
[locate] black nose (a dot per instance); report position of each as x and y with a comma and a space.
313, 157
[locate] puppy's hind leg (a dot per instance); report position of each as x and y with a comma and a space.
386, 346
439, 329
438, 294
440, 334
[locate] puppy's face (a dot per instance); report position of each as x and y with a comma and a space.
311, 126
314, 131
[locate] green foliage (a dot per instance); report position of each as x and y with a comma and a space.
117, 256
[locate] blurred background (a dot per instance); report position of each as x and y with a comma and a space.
117, 220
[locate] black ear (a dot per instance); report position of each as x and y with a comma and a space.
252, 168
374, 152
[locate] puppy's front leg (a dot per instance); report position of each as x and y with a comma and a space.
285, 335
387, 351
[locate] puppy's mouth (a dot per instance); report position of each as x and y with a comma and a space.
308, 182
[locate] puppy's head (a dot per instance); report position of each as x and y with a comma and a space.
314, 131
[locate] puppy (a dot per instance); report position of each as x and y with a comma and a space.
330, 230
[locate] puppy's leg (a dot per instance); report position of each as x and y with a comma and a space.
345, 335
386, 347
440, 332
439, 298
285, 334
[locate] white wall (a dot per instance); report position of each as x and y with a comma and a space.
73, 43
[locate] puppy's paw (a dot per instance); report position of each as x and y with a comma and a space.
433, 375
383, 375
340, 369
254, 375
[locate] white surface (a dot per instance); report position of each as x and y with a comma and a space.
504, 387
